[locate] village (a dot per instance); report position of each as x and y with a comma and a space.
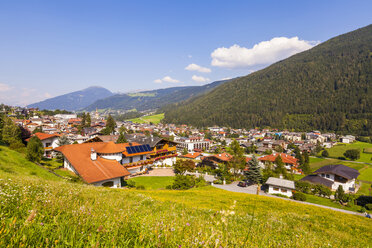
104, 152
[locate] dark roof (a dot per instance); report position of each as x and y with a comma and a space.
340, 170
315, 179
152, 141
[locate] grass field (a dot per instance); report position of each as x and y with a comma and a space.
338, 150
366, 174
147, 119
41, 210
153, 182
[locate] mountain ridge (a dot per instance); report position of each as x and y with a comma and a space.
74, 100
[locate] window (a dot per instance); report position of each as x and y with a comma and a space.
327, 176
323, 175
131, 160
276, 189
284, 190
108, 184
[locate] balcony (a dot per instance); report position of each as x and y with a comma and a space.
48, 148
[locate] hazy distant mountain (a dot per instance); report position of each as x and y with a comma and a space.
328, 87
152, 99
74, 100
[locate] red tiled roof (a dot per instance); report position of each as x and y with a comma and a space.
191, 155
287, 159
44, 136
92, 170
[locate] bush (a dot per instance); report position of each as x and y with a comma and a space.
352, 154
368, 206
325, 154
140, 187
131, 184
342, 158
298, 196
188, 182
303, 187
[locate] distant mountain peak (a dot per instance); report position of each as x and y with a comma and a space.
75, 100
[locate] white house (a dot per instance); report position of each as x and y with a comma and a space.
49, 141
332, 176
280, 186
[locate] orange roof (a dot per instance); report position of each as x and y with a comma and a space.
44, 136
92, 170
287, 159
111, 147
191, 155
223, 156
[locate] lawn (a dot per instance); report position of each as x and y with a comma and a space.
365, 189
316, 163
366, 174
338, 150
147, 119
153, 182
327, 202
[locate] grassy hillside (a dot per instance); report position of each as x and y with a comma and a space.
326, 88
147, 119
38, 209
74, 215
340, 149
13, 163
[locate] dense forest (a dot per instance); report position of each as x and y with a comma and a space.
150, 100
328, 87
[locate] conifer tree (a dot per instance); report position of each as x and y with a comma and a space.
88, 120
121, 138
254, 172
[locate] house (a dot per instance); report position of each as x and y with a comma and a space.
280, 186
192, 143
216, 159
290, 163
192, 155
164, 152
105, 163
49, 141
333, 176
347, 139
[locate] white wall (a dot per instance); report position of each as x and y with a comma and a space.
272, 191
135, 159
116, 181
114, 156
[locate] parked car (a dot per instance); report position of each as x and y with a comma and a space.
245, 183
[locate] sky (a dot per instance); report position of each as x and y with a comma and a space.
49, 48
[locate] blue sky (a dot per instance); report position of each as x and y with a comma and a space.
48, 48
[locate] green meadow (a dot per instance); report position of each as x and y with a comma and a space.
147, 119
38, 209
339, 150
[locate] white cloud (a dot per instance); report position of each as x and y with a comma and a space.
18, 96
4, 87
189, 56
263, 53
195, 67
200, 79
166, 79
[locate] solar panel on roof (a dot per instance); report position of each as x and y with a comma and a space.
148, 148
137, 149
129, 150
141, 149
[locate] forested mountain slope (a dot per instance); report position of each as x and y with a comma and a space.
328, 87
152, 99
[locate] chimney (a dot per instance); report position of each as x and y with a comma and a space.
93, 154
130, 144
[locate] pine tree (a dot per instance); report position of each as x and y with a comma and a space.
88, 120
121, 138
83, 120
35, 149
63, 140
254, 172
110, 125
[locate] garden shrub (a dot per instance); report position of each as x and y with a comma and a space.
188, 182
131, 184
368, 206
298, 196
